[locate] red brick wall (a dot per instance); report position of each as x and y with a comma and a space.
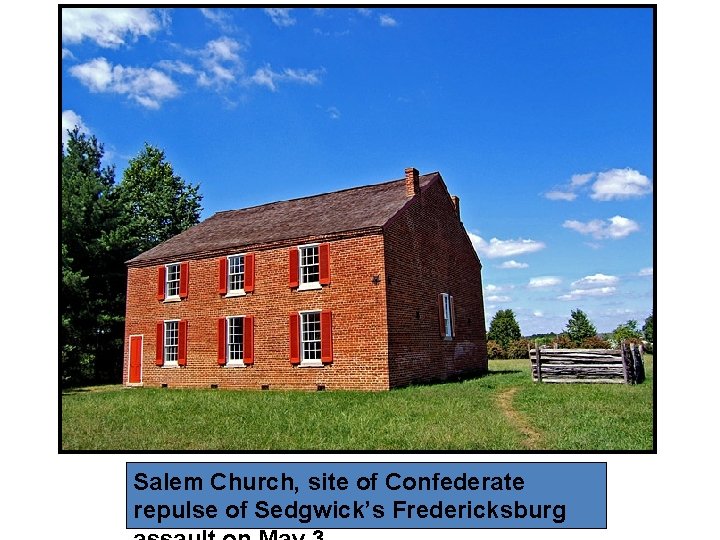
428, 252
357, 305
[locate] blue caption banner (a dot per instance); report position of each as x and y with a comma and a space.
367, 495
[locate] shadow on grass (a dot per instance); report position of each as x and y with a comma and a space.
69, 391
460, 379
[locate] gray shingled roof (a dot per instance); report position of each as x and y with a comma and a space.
355, 209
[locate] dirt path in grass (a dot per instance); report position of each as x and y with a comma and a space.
518, 420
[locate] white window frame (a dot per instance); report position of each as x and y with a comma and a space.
240, 291
168, 281
228, 360
166, 346
447, 315
310, 362
308, 285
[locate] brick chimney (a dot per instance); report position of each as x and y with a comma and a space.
412, 182
456, 203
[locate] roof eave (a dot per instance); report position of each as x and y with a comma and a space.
239, 248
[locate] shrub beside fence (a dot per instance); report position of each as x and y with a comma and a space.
624, 365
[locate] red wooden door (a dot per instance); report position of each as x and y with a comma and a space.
135, 358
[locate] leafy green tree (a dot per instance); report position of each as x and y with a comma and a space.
154, 203
627, 332
504, 329
648, 328
579, 327
86, 210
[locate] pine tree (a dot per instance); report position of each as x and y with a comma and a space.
579, 327
86, 210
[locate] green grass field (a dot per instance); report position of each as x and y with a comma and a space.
503, 410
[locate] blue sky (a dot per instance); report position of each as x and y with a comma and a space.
540, 120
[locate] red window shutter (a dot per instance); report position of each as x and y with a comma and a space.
294, 263
248, 339
294, 338
161, 283
441, 315
182, 343
249, 272
222, 275
221, 341
452, 315
184, 279
326, 341
159, 344
324, 252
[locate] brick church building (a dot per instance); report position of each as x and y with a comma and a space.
368, 288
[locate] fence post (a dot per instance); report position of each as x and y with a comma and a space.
537, 358
638, 367
624, 361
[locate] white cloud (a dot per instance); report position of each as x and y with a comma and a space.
504, 248
148, 87
280, 16
70, 119
544, 281
615, 227
620, 184
561, 195
95, 74
594, 281
67, 53
537, 313
220, 61
176, 66
568, 191
333, 112
498, 298
646, 272
513, 264
608, 185
108, 27
265, 76
490, 288
387, 20
577, 294
221, 18
365, 12
577, 180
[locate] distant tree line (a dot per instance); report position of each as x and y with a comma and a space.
505, 339
104, 224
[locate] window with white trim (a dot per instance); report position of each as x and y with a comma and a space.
172, 340
235, 341
448, 315
172, 280
236, 273
310, 347
309, 264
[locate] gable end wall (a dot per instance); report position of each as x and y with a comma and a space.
428, 252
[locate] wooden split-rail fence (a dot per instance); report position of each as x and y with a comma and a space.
623, 365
